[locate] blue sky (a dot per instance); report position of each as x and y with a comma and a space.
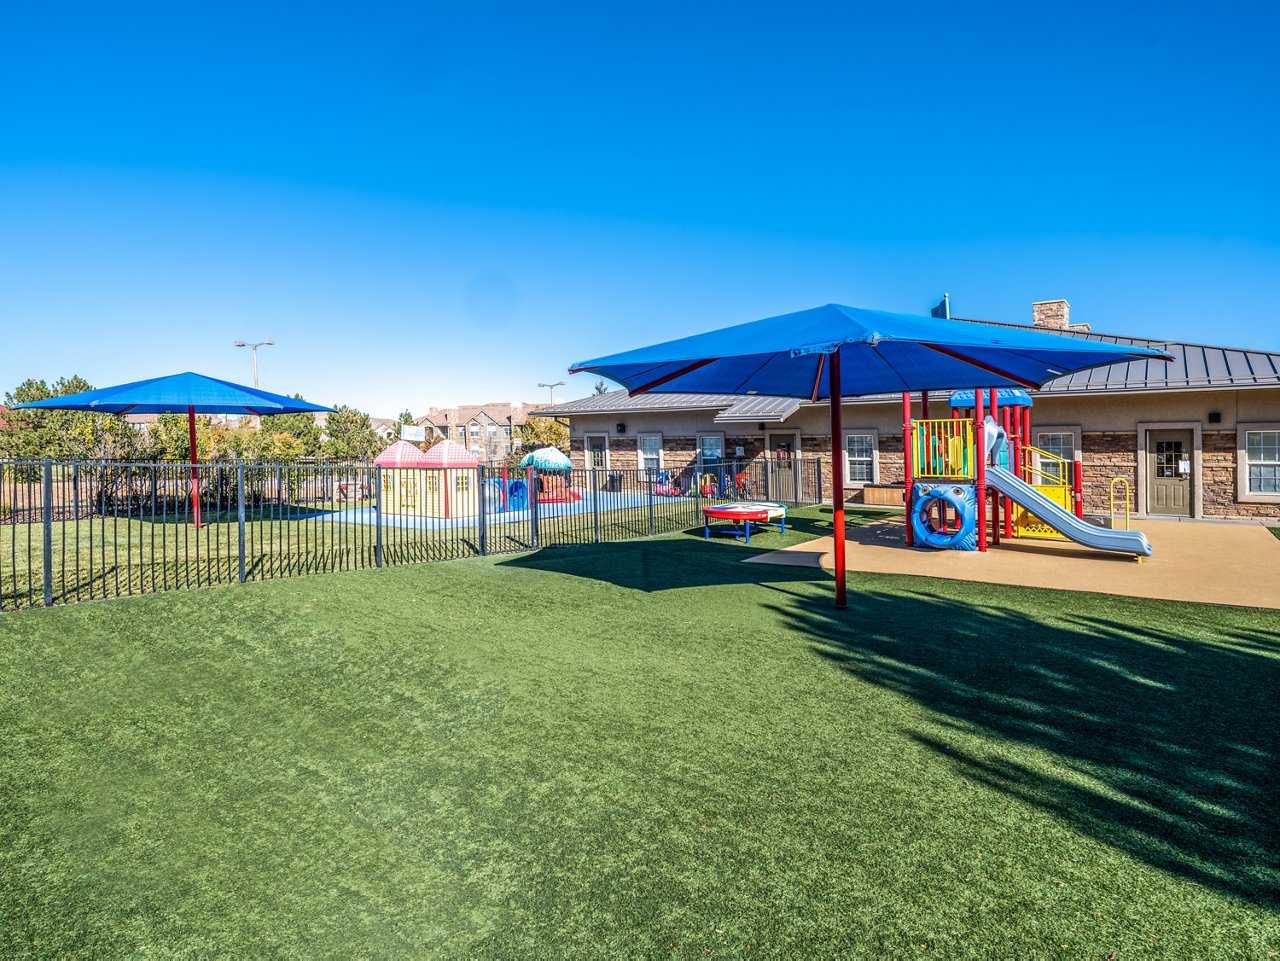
438, 204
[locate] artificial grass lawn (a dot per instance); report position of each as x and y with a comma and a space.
638, 749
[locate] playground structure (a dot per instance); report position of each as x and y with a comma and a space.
742, 516
975, 477
443, 482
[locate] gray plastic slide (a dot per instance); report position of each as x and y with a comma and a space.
1061, 520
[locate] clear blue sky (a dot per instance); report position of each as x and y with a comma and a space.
451, 203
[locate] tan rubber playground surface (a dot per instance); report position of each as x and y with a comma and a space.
1235, 564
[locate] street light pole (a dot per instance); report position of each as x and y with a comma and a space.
551, 389
254, 348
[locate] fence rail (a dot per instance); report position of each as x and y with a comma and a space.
78, 531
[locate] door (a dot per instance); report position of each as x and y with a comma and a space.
1169, 456
782, 466
597, 459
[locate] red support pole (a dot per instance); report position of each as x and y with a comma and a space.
980, 468
837, 475
906, 462
995, 405
195, 471
1026, 427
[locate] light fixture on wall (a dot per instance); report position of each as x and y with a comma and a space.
1215, 417
760, 427
622, 428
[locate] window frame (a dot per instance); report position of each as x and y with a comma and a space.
1073, 429
1243, 494
874, 434
719, 434
640, 439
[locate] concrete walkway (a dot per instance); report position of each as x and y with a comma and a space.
1236, 564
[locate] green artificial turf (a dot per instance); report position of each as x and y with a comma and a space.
643, 749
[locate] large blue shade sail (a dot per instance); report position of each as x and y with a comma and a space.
880, 352
178, 393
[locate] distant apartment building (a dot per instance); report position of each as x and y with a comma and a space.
488, 431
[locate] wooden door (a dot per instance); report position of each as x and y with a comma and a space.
1169, 472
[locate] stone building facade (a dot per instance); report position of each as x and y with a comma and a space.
1212, 419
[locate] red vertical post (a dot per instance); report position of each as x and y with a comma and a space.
837, 475
1026, 426
1077, 487
980, 468
446, 493
995, 405
906, 462
195, 471
924, 405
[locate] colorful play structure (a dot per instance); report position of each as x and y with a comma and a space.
444, 482
975, 476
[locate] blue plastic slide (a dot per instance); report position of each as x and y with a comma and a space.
1060, 519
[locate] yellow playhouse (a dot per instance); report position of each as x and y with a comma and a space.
440, 482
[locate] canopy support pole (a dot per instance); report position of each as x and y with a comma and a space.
837, 475
195, 473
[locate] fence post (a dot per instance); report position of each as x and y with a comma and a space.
377, 510
817, 469
75, 492
649, 477
532, 494
595, 504
768, 478
47, 511
484, 521
240, 515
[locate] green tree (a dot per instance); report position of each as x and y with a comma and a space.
303, 427
350, 436
544, 432
66, 434
171, 438
601, 387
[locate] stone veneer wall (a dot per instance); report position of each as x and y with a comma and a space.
1104, 456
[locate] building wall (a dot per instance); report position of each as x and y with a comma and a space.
1107, 424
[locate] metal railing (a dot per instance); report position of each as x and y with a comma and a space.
83, 531
943, 447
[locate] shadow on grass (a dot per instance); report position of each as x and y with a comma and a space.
1156, 740
687, 559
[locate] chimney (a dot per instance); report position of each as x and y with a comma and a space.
1051, 313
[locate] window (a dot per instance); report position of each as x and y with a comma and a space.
462, 483
1262, 461
1059, 444
710, 448
474, 428
649, 452
860, 457
491, 430
507, 430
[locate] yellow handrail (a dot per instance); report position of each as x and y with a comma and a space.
1127, 491
1059, 475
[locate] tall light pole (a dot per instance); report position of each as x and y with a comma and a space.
551, 388
254, 347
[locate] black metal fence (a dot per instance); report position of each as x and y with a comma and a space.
81, 531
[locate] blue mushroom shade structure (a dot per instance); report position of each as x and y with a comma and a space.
187, 393
831, 352
547, 458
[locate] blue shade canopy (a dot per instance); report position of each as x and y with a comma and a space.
880, 352
178, 393
547, 458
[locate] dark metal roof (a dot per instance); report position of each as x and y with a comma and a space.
1194, 367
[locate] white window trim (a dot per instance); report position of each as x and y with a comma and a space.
1197, 447
724, 448
661, 452
874, 434
1242, 463
1076, 443
586, 448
